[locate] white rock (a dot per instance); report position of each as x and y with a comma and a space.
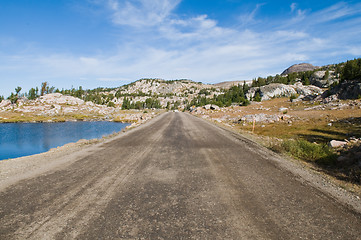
89, 103
5, 103
319, 74
58, 98
211, 107
337, 144
261, 118
281, 90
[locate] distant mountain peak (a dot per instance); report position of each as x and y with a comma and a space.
301, 67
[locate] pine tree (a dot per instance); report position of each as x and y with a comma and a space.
327, 75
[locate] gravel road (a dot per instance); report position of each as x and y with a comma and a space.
175, 177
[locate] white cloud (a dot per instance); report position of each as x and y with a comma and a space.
285, 35
138, 13
198, 48
89, 61
196, 29
293, 7
241, 56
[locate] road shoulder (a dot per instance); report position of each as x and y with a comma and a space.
302, 171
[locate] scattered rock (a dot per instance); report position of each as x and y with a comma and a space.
211, 107
5, 103
266, 118
337, 144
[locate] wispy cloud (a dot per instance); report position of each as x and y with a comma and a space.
249, 17
293, 7
337, 11
138, 13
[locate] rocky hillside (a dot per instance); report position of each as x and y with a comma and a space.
57, 107
144, 93
299, 82
172, 94
162, 87
55, 104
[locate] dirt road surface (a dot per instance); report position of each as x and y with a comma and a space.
176, 177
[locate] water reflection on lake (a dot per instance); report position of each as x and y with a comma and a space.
22, 139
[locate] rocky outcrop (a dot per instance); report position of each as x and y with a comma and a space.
302, 67
318, 79
5, 103
55, 104
274, 90
344, 90
58, 98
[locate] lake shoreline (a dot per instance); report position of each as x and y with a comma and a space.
17, 169
19, 118
24, 139
82, 142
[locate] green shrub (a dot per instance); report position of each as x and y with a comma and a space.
312, 152
355, 175
111, 104
293, 97
257, 97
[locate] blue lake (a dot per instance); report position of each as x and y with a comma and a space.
23, 139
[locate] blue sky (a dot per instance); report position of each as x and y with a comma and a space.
109, 43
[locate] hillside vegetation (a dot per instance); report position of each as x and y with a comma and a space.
185, 94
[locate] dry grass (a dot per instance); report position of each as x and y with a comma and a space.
311, 125
13, 117
118, 115
313, 130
